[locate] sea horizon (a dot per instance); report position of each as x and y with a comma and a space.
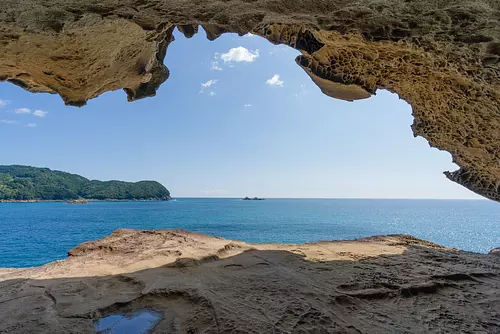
346, 198
264, 198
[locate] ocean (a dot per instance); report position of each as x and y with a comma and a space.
37, 233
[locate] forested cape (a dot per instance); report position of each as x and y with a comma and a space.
26, 183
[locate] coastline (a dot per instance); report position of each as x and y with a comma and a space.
219, 285
89, 200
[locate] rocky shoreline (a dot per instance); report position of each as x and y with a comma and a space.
89, 200
200, 283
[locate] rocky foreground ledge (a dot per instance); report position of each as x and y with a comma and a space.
204, 284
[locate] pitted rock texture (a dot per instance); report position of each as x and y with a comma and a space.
204, 284
442, 57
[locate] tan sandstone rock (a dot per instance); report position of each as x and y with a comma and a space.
442, 57
204, 284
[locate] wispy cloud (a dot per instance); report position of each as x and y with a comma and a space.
209, 83
22, 111
27, 111
40, 113
279, 48
206, 85
8, 121
302, 92
239, 54
215, 66
215, 192
248, 106
3, 103
275, 81
248, 35
31, 125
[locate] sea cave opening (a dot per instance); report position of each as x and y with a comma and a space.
237, 195
236, 118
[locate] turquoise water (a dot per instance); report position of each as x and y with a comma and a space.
37, 233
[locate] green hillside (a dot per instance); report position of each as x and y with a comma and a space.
31, 183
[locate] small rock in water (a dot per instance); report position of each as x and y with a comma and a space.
78, 201
139, 322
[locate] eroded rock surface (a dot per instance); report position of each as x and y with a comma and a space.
441, 57
203, 284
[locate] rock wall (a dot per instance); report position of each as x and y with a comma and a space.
442, 57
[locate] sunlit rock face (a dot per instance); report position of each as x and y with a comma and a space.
441, 57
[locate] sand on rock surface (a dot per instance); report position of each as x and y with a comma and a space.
205, 284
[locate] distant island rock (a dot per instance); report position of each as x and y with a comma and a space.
78, 201
32, 184
253, 199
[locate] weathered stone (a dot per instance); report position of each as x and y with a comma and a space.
207, 284
443, 57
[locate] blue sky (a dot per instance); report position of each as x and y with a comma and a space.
236, 118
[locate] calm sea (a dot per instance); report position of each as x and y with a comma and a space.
37, 233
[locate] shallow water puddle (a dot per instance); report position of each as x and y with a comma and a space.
138, 322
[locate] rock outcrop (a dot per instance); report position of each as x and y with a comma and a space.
78, 201
442, 57
204, 284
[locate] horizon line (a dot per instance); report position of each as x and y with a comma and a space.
371, 198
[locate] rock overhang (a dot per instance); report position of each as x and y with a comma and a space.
442, 58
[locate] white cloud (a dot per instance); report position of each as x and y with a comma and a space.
31, 125
3, 103
40, 113
249, 35
248, 105
215, 66
209, 83
240, 54
215, 192
8, 121
275, 81
23, 111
